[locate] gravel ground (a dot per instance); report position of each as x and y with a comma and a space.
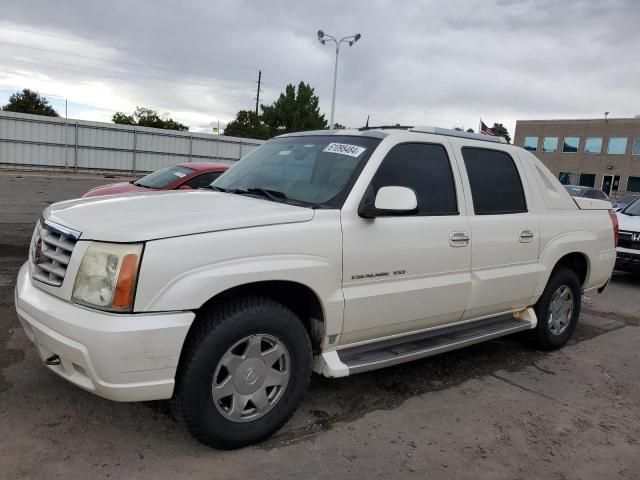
496, 410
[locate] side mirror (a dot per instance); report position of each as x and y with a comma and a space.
390, 201
184, 187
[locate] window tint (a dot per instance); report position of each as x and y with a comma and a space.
587, 179
565, 178
597, 194
636, 147
550, 144
633, 184
530, 143
570, 144
426, 169
203, 180
593, 145
163, 178
495, 183
617, 145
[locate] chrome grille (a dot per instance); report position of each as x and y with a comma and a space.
50, 253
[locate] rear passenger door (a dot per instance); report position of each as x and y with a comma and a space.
410, 272
505, 236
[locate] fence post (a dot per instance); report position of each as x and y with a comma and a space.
190, 145
240, 154
75, 149
135, 145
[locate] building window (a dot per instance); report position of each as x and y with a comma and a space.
550, 144
566, 178
633, 185
495, 183
593, 145
588, 179
636, 147
531, 143
570, 144
617, 145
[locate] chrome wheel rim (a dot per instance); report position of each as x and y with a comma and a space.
250, 378
560, 310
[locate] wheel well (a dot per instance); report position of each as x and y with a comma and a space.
298, 297
576, 262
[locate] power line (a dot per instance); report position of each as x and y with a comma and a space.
119, 47
76, 69
119, 63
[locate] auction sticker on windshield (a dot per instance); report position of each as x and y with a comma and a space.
344, 149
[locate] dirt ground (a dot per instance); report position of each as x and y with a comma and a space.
496, 410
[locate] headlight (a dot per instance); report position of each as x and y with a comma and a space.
107, 276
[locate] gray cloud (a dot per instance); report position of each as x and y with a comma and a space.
428, 62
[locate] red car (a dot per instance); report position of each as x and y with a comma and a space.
184, 176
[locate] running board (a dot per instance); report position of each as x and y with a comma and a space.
420, 345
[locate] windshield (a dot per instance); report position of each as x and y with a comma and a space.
632, 209
316, 170
573, 191
163, 178
627, 199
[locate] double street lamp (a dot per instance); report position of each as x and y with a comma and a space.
323, 38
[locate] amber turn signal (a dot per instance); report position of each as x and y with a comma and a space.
126, 282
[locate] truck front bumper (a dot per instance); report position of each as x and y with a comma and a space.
122, 357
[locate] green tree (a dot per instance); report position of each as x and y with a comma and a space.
294, 111
501, 131
147, 117
470, 130
29, 101
338, 126
247, 125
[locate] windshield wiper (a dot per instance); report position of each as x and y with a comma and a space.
217, 189
273, 195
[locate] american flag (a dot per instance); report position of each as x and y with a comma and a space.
486, 130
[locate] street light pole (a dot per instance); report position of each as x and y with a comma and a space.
323, 39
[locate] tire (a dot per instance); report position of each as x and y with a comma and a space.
549, 333
218, 349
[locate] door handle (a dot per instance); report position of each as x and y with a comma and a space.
459, 239
526, 236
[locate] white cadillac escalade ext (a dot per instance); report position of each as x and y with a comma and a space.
332, 251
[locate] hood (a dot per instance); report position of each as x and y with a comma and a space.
146, 216
628, 223
113, 188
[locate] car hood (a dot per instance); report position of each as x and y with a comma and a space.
114, 188
138, 217
628, 223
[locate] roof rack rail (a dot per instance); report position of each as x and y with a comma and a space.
387, 127
458, 133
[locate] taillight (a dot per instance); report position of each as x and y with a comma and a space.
614, 222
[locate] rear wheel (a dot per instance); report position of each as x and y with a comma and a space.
558, 310
244, 372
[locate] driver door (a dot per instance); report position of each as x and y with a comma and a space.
410, 272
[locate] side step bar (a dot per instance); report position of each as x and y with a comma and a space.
412, 347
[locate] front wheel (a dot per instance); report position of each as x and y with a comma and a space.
558, 310
244, 372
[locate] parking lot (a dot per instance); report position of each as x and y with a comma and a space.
496, 410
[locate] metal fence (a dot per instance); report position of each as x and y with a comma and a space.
39, 142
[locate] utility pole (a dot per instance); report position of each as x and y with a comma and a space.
258, 92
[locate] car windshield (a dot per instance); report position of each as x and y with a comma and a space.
314, 170
573, 191
632, 209
163, 178
627, 199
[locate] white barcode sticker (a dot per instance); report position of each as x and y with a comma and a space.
179, 174
344, 149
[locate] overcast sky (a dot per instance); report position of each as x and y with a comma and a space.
442, 63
